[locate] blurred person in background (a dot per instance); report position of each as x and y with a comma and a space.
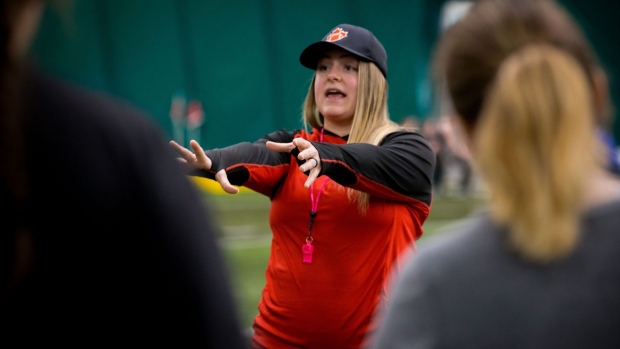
457, 159
437, 140
539, 268
410, 123
348, 199
610, 149
105, 241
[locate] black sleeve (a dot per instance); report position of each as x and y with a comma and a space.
235, 158
402, 164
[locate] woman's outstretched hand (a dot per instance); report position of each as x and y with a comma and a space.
199, 160
306, 152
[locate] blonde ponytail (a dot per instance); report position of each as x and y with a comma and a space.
535, 144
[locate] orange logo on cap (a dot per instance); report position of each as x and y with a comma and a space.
336, 34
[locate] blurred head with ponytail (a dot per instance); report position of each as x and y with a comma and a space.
527, 88
539, 267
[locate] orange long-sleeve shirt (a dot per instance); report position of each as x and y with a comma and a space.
329, 303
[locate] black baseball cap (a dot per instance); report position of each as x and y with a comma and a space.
356, 40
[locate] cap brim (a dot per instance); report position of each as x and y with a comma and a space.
309, 57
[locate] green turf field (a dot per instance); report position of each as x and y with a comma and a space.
245, 238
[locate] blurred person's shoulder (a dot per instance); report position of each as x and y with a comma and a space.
469, 241
477, 244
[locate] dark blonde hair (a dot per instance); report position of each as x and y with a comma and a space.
371, 121
535, 146
520, 74
471, 50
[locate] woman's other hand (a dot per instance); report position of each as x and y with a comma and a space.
307, 152
198, 159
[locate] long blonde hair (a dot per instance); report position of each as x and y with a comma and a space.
535, 146
371, 121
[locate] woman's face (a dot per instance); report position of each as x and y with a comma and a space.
335, 87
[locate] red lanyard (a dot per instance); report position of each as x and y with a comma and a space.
308, 248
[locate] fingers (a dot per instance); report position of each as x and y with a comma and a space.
314, 166
174, 145
306, 149
201, 157
310, 165
311, 177
280, 147
196, 159
307, 152
183, 152
196, 147
222, 178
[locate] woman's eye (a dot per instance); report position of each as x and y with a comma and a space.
349, 67
322, 67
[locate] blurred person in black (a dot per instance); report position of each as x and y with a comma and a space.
104, 240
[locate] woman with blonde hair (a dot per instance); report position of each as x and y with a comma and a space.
348, 198
539, 268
